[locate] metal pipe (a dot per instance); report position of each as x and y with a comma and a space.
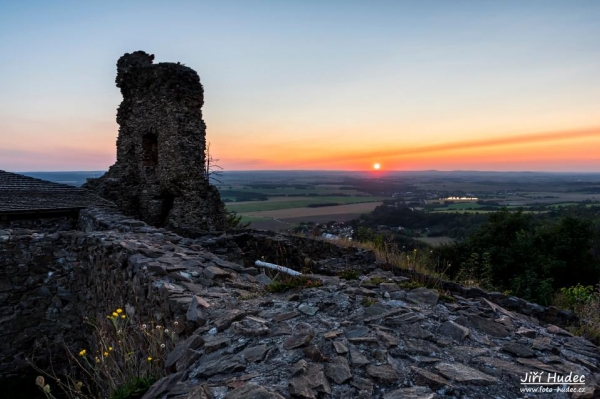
273, 266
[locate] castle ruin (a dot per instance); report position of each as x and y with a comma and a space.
160, 175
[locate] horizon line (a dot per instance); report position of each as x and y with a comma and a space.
371, 171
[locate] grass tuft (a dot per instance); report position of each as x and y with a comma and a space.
290, 282
366, 301
349, 275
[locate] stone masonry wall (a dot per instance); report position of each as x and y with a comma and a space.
50, 281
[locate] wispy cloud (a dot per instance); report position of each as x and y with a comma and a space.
465, 145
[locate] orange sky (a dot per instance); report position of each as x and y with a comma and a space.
574, 150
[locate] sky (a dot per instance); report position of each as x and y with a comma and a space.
315, 84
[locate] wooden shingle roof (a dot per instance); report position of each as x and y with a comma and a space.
23, 194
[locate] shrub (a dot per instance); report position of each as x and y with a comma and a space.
589, 316
585, 302
577, 295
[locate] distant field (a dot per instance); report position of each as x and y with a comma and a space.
278, 203
305, 212
263, 223
435, 241
442, 210
460, 205
557, 197
325, 189
338, 217
484, 211
283, 219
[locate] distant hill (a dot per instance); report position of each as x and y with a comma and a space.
71, 178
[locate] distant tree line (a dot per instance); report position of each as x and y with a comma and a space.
455, 225
530, 255
241, 195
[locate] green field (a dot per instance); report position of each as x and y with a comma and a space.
255, 206
460, 206
250, 219
483, 211
281, 191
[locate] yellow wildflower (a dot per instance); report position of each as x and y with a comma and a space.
105, 354
123, 316
82, 353
115, 314
149, 358
110, 348
119, 310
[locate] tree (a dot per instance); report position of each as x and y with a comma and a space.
234, 221
212, 170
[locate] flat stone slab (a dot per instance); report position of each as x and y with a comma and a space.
384, 373
489, 326
309, 381
387, 339
252, 391
356, 331
338, 370
307, 309
411, 393
358, 358
464, 374
302, 336
286, 316
340, 348
518, 350
423, 295
255, 354
430, 379
215, 343
214, 272
389, 287
453, 330
513, 369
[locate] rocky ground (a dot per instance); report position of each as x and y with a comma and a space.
356, 339
374, 337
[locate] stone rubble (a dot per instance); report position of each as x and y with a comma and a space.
422, 348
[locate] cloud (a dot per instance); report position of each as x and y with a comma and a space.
494, 142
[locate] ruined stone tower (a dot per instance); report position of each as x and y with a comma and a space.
160, 173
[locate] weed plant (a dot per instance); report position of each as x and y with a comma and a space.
419, 263
125, 359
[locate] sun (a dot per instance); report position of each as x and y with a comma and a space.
376, 166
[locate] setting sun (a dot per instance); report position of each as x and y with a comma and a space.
376, 166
